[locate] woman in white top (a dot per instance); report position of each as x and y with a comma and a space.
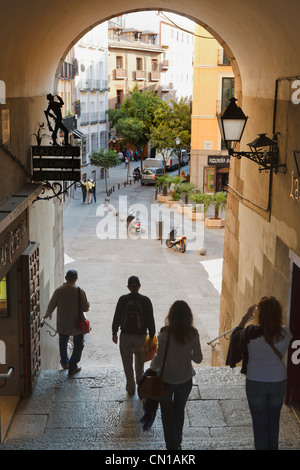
184, 347
261, 347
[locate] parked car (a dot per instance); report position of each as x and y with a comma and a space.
172, 159
149, 175
185, 158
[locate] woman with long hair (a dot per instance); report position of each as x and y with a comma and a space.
183, 348
261, 347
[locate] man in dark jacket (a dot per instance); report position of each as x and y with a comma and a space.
134, 316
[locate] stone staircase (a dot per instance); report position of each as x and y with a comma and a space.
92, 411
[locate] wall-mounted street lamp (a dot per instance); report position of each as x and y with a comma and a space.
264, 151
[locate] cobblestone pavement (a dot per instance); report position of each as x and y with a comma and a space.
92, 411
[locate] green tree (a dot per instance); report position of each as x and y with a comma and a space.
134, 118
106, 159
171, 121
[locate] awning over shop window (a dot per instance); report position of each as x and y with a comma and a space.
77, 134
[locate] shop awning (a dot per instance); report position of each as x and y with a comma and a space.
77, 134
17, 203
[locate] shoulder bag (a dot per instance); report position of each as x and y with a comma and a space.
83, 325
152, 385
278, 353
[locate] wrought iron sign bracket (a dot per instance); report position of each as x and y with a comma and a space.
266, 161
56, 188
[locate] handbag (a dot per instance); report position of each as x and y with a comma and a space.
83, 325
152, 385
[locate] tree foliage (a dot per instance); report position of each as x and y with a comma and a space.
106, 159
137, 112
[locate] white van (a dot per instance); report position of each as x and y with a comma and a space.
172, 159
153, 163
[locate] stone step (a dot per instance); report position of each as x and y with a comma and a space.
92, 411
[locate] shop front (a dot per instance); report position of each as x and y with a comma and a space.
19, 305
216, 173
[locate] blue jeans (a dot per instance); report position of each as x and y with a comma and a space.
265, 402
172, 413
78, 341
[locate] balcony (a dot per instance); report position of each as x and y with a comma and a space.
154, 76
140, 75
120, 74
167, 87
94, 118
164, 65
84, 119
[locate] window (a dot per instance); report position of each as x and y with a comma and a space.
154, 65
119, 62
227, 90
139, 63
119, 98
3, 298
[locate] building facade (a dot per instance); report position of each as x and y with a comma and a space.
213, 88
134, 60
90, 99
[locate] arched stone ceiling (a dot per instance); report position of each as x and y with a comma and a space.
35, 36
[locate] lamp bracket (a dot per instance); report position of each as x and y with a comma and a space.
266, 160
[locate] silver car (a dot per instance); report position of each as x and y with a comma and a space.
149, 175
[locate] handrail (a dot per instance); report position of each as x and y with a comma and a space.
43, 321
220, 336
6, 376
224, 334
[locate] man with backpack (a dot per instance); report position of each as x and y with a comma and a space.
134, 316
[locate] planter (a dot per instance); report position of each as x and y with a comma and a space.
171, 202
211, 222
196, 215
162, 198
184, 209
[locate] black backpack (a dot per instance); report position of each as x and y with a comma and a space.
132, 319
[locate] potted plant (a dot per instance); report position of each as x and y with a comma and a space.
164, 182
219, 200
186, 189
202, 201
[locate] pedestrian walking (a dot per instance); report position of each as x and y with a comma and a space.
90, 189
260, 347
134, 316
83, 188
183, 348
94, 190
120, 156
66, 300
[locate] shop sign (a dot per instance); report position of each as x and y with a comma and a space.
14, 240
218, 160
56, 163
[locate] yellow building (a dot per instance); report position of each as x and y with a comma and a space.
213, 87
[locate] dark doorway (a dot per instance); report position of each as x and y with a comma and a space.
293, 389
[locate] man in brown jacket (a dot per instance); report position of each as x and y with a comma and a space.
65, 299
